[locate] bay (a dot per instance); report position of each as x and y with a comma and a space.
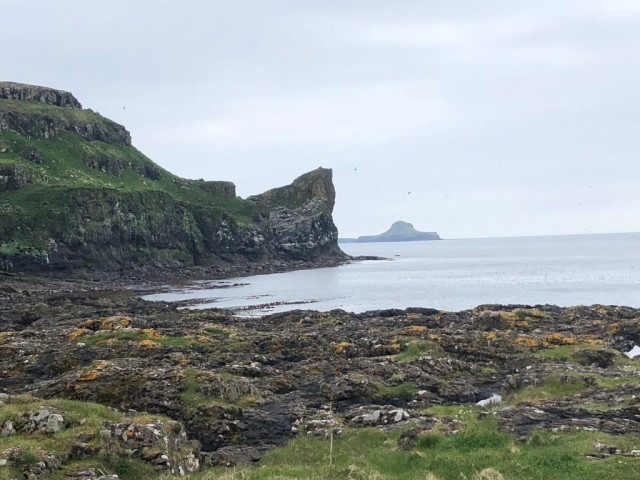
446, 274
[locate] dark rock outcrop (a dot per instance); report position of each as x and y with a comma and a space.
50, 96
241, 386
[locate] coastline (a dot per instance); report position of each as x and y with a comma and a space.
241, 386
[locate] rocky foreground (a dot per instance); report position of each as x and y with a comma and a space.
223, 390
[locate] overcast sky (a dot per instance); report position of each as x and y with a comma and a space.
472, 118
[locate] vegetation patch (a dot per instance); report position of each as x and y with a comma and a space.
404, 390
420, 348
139, 336
479, 452
84, 422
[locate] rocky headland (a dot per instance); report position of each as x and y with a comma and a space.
77, 198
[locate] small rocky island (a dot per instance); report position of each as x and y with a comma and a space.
398, 232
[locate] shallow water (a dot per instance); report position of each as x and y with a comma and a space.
447, 274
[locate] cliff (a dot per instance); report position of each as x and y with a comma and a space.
398, 232
75, 193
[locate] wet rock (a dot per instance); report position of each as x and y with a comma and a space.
151, 443
233, 455
241, 386
374, 416
7, 429
522, 420
599, 358
348, 387
408, 439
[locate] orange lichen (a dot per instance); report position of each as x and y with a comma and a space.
416, 329
395, 346
414, 316
78, 333
4, 335
89, 376
182, 361
527, 342
114, 322
151, 333
148, 344
614, 327
342, 347
559, 339
592, 340
491, 335
509, 317
101, 364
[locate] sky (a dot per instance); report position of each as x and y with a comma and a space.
472, 118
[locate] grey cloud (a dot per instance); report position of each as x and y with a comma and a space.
497, 115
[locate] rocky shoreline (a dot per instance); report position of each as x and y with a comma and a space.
241, 387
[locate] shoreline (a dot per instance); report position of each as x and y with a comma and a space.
235, 387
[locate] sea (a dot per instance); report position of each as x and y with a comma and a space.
444, 274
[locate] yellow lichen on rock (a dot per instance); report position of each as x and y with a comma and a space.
151, 333
148, 344
614, 327
527, 342
4, 335
77, 333
89, 376
342, 347
95, 373
559, 339
415, 329
114, 322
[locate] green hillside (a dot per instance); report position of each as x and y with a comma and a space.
74, 192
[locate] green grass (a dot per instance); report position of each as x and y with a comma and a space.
45, 206
138, 336
193, 397
372, 454
86, 420
556, 386
404, 390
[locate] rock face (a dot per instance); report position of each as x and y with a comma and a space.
398, 232
50, 96
300, 214
74, 194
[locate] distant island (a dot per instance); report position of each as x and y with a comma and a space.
398, 232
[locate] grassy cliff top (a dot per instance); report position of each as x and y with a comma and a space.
46, 148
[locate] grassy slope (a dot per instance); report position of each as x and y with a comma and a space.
64, 169
372, 454
86, 421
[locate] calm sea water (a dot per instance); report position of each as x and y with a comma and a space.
447, 274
